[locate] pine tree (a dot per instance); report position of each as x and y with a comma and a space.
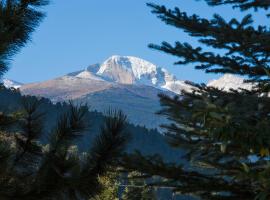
33, 170
18, 19
226, 133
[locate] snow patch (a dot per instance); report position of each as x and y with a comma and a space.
88, 75
230, 81
133, 70
11, 84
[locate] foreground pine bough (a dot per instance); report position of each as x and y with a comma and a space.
55, 170
226, 133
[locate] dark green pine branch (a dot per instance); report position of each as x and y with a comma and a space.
64, 174
31, 170
209, 110
18, 19
60, 167
208, 186
108, 147
219, 130
242, 4
213, 63
246, 48
31, 130
219, 133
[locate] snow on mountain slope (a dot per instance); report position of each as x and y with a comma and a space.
88, 75
122, 82
230, 81
115, 71
91, 68
177, 86
133, 70
11, 84
128, 70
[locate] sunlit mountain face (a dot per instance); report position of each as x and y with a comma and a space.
120, 82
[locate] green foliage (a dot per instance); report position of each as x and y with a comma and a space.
137, 189
220, 130
33, 170
245, 47
110, 187
18, 19
57, 170
242, 4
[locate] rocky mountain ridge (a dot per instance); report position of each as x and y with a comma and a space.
120, 82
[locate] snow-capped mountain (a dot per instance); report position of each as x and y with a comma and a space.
122, 82
229, 81
11, 84
131, 70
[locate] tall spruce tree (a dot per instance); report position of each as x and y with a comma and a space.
33, 170
226, 133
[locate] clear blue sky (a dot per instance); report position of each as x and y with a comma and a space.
78, 33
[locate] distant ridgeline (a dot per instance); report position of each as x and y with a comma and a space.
148, 142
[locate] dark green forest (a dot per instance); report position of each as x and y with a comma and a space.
148, 142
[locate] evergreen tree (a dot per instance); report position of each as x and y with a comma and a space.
18, 19
226, 133
33, 170
56, 170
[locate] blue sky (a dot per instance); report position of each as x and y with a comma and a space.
78, 33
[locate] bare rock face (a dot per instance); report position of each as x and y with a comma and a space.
132, 70
118, 70
65, 88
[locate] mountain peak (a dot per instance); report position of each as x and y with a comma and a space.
11, 84
130, 70
134, 70
132, 66
230, 81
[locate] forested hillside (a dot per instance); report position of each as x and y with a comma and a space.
148, 142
